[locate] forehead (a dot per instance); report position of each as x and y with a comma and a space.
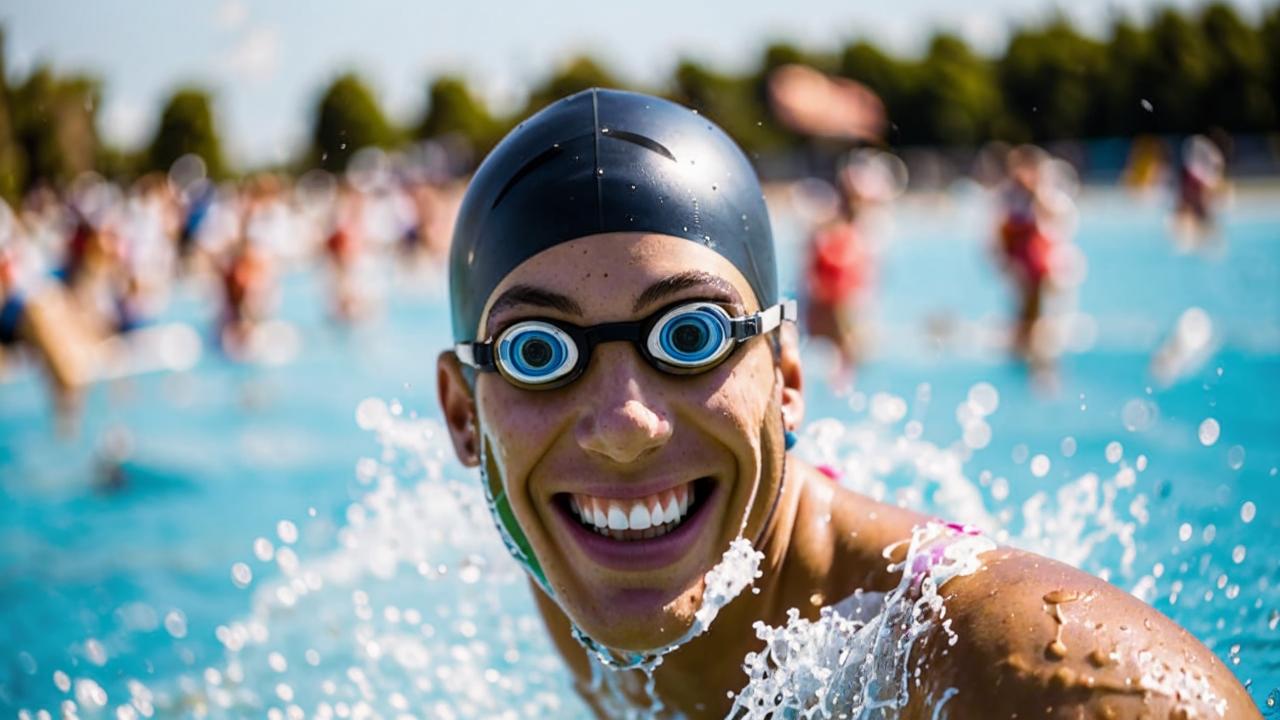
605, 273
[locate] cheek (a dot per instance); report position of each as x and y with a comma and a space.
744, 392
519, 426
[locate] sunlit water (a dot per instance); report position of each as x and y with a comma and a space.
275, 551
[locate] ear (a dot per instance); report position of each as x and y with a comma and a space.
790, 376
457, 402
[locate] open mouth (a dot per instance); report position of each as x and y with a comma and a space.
635, 519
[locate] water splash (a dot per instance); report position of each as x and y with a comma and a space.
737, 569
840, 665
393, 620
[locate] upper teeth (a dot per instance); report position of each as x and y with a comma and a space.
653, 511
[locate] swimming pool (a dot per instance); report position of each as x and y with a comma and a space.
235, 471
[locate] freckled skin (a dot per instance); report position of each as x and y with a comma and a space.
626, 422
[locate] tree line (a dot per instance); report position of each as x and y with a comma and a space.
1176, 73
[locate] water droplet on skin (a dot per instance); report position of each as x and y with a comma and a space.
1055, 597
1056, 650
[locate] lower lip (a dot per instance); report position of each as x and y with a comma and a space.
649, 554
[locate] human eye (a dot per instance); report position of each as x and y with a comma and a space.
692, 336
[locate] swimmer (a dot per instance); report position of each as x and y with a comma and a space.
422, 242
38, 315
343, 249
1029, 231
837, 275
842, 258
247, 280
628, 380
1201, 185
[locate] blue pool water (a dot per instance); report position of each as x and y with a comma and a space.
133, 583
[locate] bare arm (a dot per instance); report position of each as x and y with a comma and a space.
1037, 638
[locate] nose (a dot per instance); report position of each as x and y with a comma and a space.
621, 422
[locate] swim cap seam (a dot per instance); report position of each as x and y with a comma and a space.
595, 141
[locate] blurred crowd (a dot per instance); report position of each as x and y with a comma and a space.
88, 271
1033, 225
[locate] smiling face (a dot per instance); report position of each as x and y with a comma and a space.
629, 482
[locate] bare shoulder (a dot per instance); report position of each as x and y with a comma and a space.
1031, 636
843, 535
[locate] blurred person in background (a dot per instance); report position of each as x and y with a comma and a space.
38, 317
247, 279
1036, 222
840, 272
424, 243
1201, 187
1146, 167
343, 250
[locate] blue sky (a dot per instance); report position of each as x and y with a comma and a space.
266, 60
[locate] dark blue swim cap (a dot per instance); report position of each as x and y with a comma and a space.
606, 161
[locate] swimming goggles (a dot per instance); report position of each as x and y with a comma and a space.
682, 339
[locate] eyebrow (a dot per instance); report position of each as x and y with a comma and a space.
683, 281
517, 295
537, 297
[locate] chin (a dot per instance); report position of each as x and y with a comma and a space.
639, 620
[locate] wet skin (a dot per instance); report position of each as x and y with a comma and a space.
625, 429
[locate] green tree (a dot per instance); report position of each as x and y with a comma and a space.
729, 101
187, 126
958, 95
895, 81
1049, 78
1235, 95
453, 109
54, 126
12, 161
1121, 90
580, 73
1269, 35
348, 119
1174, 74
